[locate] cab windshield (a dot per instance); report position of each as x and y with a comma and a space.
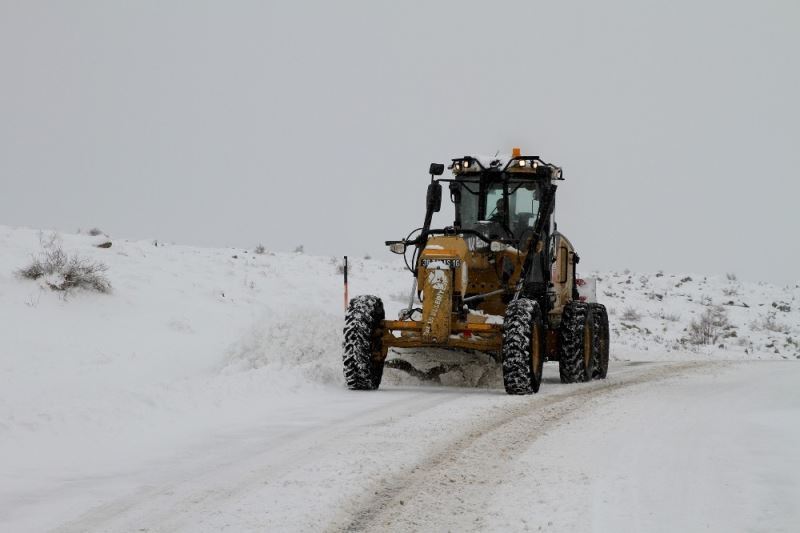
486, 211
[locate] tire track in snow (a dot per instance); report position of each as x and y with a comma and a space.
177, 505
225, 490
449, 489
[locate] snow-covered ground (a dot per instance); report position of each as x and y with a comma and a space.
654, 312
205, 392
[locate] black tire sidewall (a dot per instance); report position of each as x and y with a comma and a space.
519, 376
362, 320
570, 360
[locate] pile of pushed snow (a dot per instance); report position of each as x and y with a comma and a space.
452, 368
296, 344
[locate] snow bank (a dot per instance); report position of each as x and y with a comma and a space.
301, 343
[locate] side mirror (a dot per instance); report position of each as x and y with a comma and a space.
437, 169
434, 197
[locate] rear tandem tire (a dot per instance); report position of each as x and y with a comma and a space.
523, 347
572, 346
600, 318
362, 343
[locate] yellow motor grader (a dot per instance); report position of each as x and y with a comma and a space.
501, 280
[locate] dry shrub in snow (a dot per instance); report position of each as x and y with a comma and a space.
49, 240
668, 317
260, 249
631, 315
730, 291
62, 272
94, 232
769, 323
709, 327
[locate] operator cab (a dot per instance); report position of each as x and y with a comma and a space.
503, 211
500, 199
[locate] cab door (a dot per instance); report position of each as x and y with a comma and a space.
562, 272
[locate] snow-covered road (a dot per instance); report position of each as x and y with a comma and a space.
657, 446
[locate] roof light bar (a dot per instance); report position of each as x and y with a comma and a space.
523, 164
466, 164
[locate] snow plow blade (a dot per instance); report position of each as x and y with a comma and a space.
470, 336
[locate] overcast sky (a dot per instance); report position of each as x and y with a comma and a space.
233, 123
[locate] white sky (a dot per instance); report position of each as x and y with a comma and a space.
233, 123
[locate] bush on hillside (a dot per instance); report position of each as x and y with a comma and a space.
769, 323
730, 291
631, 315
62, 272
708, 328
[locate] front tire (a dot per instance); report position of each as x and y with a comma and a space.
523, 347
363, 366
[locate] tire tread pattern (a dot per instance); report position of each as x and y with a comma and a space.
518, 376
363, 317
570, 360
600, 322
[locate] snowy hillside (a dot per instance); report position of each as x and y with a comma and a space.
189, 342
194, 342
652, 317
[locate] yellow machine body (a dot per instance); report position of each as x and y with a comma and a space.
448, 267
